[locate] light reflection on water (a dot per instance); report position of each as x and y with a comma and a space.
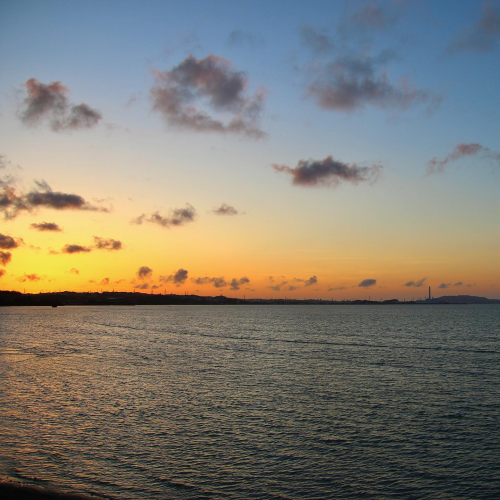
241, 402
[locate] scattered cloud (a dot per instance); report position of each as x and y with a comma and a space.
244, 38
75, 249
107, 244
316, 40
180, 94
336, 288
5, 258
144, 272
50, 103
311, 281
328, 172
104, 282
225, 209
29, 277
8, 242
460, 151
142, 286
176, 217
480, 37
46, 226
448, 285
415, 284
236, 283
2, 273
367, 283
178, 278
73, 270
12, 203
218, 282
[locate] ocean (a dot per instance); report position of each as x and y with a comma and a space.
252, 402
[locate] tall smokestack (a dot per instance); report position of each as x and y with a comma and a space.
429, 293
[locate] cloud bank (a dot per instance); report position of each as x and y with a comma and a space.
181, 94
328, 172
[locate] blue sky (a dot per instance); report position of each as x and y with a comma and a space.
435, 72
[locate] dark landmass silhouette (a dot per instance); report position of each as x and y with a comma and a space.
8, 298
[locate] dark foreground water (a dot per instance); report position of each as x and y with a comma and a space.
289, 402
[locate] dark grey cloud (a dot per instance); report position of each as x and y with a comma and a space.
480, 37
12, 203
176, 217
50, 103
460, 151
278, 286
178, 278
46, 226
180, 94
8, 242
311, 281
415, 284
328, 172
142, 286
107, 243
144, 272
5, 258
225, 209
75, 249
29, 277
351, 82
217, 282
367, 283
236, 283
244, 38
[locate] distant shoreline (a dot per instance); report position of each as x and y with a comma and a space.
18, 491
56, 299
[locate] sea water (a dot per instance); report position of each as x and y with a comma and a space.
247, 402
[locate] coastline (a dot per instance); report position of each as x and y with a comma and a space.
19, 491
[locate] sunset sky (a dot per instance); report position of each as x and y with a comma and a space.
321, 149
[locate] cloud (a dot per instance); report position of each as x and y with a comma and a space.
415, 284
278, 286
334, 289
104, 282
178, 279
218, 282
11, 203
5, 258
369, 17
29, 277
351, 82
46, 226
2, 272
50, 103
144, 272
225, 209
317, 41
328, 172
178, 93
448, 285
8, 242
142, 286
367, 283
176, 217
461, 150
242, 38
70, 249
73, 270
107, 244
236, 283
311, 281
480, 37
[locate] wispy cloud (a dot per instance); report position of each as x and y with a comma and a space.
460, 151
181, 93
107, 243
328, 172
46, 226
415, 284
49, 102
30, 277
448, 285
176, 217
242, 38
483, 36
367, 283
74, 270
178, 278
225, 209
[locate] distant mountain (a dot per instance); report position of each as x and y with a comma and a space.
463, 299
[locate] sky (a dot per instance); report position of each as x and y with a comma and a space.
320, 149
